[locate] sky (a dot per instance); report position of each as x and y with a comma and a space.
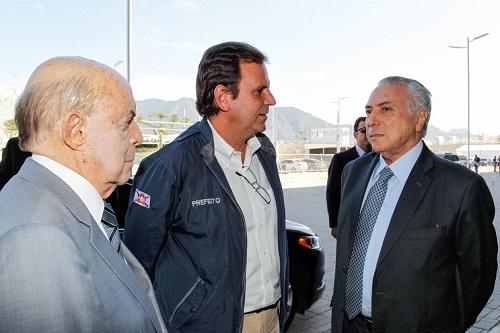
319, 51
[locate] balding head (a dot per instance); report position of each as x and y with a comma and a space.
58, 86
80, 114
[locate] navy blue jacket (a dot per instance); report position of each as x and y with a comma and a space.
190, 235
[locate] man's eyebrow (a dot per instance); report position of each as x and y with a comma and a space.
384, 103
369, 107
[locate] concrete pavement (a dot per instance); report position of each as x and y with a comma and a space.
305, 203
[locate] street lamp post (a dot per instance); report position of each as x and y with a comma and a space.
117, 63
468, 90
129, 24
338, 123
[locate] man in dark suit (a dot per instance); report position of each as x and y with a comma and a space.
337, 165
12, 160
416, 249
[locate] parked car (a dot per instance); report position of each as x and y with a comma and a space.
306, 258
307, 267
314, 164
462, 160
451, 157
293, 164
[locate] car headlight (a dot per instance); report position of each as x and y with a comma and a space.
309, 242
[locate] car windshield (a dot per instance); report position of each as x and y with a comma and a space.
451, 157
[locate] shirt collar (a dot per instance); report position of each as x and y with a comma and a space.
230, 157
81, 186
360, 150
402, 167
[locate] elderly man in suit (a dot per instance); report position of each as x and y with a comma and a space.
339, 161
63, 267
416, 250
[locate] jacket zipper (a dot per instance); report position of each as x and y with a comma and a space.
198, 281
245, 242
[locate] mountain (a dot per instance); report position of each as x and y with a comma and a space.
183, 107
292, 124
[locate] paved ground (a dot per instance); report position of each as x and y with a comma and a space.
306, 204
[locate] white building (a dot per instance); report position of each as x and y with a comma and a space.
329, 136
483, 151
8, 97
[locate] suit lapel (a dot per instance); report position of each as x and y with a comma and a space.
34, 172
413, 192
360, 183
117, 264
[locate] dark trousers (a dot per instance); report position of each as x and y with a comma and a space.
357, 325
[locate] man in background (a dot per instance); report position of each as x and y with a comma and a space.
207, 215
64, 268
12, 160
333, 193
416, 248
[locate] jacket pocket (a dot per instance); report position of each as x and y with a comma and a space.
188, 305
434, 233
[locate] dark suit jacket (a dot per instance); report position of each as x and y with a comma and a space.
333, 184
438, 263
12, 160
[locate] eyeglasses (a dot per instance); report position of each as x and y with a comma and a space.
362, 130
256, 186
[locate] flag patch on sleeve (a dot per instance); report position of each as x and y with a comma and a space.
142, 199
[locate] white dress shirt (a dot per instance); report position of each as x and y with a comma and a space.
401, 169
359, 150
81, 186
261, 221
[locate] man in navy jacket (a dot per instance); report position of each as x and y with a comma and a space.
206, 216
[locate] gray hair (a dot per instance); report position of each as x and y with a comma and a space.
43, 104
420, 97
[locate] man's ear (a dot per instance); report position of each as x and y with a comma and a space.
222, 97
421, 119
74, 130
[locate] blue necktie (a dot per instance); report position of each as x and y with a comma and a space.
111, 226
367, 218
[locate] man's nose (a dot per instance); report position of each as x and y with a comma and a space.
270, 98
135, 134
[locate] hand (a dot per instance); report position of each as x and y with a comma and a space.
334, 233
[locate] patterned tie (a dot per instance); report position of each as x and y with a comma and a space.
111, 226
367, 219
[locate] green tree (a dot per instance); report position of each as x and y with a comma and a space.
160, 115
11, 127
174, 118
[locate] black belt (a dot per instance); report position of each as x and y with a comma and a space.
269, 307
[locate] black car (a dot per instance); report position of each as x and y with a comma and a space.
306, 258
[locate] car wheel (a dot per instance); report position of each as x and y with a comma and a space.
299, 282
291, 306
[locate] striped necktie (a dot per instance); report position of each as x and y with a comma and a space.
110, 225
367, 218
